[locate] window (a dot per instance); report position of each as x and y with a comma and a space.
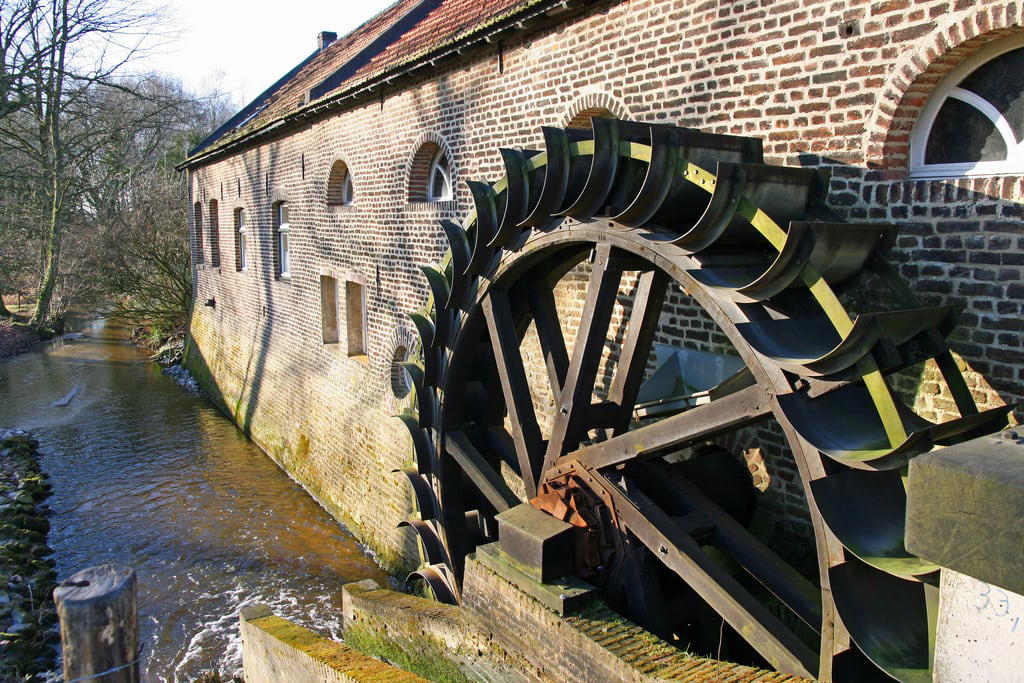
355, 318
282, 247
241, 254
329, 309
197, 213
430, 176
340, 190
214, 234
439, 183
973, 124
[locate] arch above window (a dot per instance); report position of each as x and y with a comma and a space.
973, 124
340, 188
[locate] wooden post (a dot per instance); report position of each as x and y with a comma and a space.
99, 625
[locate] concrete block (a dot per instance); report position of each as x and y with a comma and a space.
980, 632
565, 595
540, 544
964, 506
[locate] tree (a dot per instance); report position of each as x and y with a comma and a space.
47, 127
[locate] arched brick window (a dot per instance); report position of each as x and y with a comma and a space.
340, 188
973, 124
214, 234
582, 119
282, 241
197, 218
430, 178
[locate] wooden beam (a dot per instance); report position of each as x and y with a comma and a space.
636, 346
483, 476
570, 420
703, 422
518, 399
760, 561
680, 553
552, 342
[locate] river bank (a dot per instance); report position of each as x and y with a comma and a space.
28, 634
16, 337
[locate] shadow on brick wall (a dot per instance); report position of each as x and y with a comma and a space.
959, 242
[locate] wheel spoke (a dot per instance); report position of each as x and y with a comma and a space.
680, 553
703, 422
483, 476
570, 420
636, 345
525, 430
760, 561
552, 342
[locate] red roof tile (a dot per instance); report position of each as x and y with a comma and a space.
434, 24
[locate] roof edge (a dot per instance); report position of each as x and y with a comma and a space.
514, 21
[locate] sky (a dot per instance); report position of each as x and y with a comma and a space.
242, 47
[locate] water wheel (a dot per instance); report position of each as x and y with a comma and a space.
658, 209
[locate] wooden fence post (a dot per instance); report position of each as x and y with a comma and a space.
99, 625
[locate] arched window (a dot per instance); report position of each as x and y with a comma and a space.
439, 185
282, 246
973, 124
197, 217
430, 176
340, 190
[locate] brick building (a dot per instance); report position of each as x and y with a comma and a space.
361, 149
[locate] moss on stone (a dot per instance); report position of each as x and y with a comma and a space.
430, 660
27, 614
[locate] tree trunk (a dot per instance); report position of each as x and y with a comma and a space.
46, 286
4, 312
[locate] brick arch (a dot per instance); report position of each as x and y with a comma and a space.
592, 104
423, 151
917, 72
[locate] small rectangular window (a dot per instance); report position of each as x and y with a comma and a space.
197, 215
241, 255
214, 234
282, 247
329, 309
355, 318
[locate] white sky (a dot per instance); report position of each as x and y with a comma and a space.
242, 47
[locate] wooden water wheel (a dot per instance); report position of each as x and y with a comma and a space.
665, 537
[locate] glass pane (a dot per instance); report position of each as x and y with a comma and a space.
241, 219
346, 190
282, 215
962, 134
1001, 82
241, 250
437, 184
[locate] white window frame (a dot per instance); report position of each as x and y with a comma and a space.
436, 167
948, 87
243, 256
283, 244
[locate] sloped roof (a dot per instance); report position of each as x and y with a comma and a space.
404, 33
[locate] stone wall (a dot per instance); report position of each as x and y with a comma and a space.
834, 85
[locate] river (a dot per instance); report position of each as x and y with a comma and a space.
148, 475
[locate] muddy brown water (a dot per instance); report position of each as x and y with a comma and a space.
148, 475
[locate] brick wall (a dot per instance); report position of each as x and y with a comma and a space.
827, 84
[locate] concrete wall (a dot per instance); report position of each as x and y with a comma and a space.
980, 635
834, 85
